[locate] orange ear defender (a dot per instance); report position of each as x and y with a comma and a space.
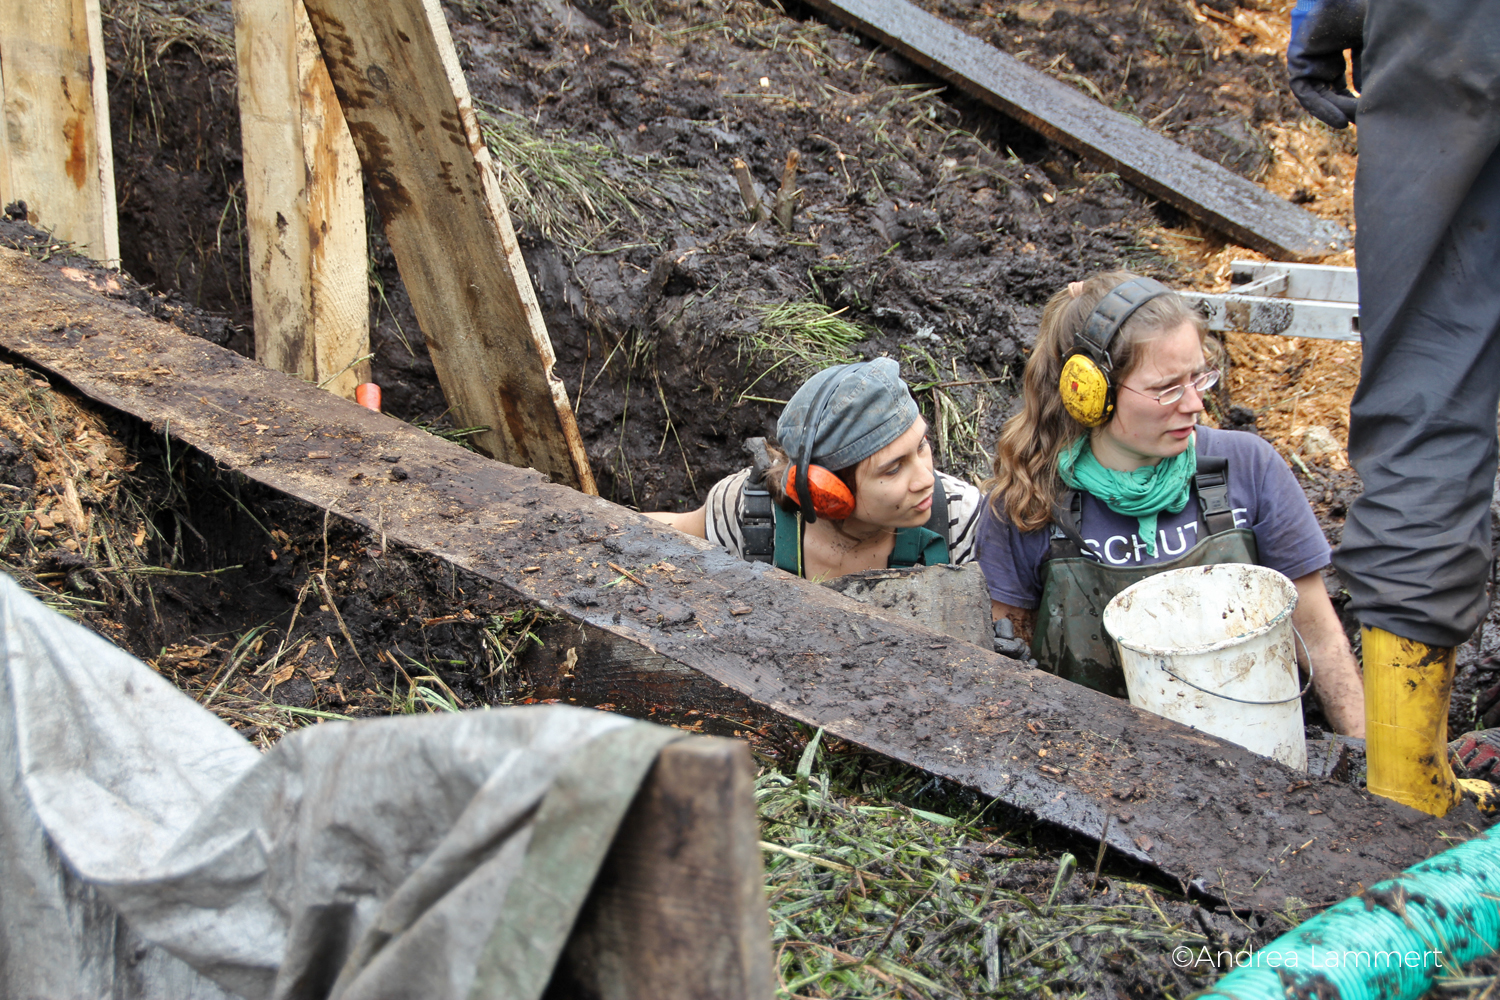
830, 496
1087, 381
818, 487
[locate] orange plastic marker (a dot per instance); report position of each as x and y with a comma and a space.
367, 394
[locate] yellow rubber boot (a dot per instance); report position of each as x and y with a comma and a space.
1407, 685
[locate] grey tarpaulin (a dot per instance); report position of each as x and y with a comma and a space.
147, 850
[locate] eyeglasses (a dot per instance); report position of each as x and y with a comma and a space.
1201, 383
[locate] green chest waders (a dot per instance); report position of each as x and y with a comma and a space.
1069, 639
914, 546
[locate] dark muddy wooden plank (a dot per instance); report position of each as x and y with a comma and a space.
678, 911
427, 167
1237, 207
1203, 811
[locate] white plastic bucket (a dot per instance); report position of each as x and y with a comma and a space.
1211, 647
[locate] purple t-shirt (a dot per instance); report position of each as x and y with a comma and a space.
1263, 493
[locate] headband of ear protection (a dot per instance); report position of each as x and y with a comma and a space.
1088, 391
819, 492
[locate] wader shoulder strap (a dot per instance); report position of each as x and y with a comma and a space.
1212, 486
788, 553
757, 522
937, 520
1067, 527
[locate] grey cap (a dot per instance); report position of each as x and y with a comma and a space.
869, 408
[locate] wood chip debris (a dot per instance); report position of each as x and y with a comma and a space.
627, 574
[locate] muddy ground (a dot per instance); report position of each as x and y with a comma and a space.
936, 226
282, 617
933, 226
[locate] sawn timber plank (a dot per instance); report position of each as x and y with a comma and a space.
1204, 812
55, 149
1220, 198
427, 167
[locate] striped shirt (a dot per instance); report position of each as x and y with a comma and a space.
724, 509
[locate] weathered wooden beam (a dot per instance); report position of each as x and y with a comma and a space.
1203, 811
1242, 210
678, 911
55, 151
408, 107
304, 203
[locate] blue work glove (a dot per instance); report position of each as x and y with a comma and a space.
1006, 643
1321, 31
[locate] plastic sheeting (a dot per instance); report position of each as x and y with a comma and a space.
147, 850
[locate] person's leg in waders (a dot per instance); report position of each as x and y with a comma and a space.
1416, 546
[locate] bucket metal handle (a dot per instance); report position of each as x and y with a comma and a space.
1244, 701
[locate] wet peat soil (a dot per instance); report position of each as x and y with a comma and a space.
935, 226
249, 600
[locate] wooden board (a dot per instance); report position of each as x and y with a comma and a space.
952, 600
304, 202
1242, 210
55, 151
408, 107
678, 911
1205, 813
335, 225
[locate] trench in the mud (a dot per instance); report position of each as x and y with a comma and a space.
414, 616
411, 612
247, 599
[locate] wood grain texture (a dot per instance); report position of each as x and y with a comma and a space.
409, 110
1203, 812
1237, 207
55, 151
304, 202
678, 911
340, 296
265, 42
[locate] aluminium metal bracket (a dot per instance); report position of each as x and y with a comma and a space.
1292, 300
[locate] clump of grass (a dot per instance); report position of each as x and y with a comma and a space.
803, 337
558, 186
505, 638
873, 895
147, 29
425, 692
956, 407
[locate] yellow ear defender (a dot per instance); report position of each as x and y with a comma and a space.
1088, 391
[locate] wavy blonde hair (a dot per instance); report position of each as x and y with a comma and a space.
1025, 483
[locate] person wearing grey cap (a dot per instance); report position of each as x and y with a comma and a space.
850, 487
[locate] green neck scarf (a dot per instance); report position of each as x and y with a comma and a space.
1141, 494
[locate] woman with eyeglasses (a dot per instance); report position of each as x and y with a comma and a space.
1105, 477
